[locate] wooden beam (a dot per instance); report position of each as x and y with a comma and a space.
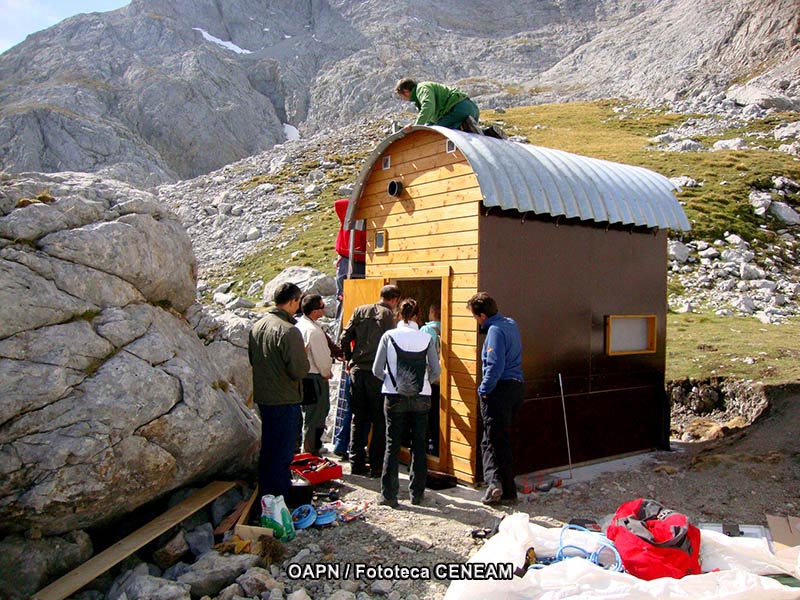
228, 522
100, 563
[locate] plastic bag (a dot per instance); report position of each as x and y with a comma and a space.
276, 516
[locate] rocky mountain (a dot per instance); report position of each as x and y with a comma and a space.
164, 90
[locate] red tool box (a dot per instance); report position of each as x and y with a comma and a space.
315, 469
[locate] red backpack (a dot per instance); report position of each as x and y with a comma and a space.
654, 541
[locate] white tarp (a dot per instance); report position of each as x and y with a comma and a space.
742, 563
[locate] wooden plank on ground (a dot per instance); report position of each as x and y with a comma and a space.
100, 563
228, 522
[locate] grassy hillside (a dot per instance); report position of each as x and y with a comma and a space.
615, 131
702, 345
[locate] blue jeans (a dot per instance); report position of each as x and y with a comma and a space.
397, 410
278, 438
344, 416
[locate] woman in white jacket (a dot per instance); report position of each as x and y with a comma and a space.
407, 362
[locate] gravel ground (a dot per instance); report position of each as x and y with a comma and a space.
739, 477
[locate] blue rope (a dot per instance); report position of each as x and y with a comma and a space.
594, 557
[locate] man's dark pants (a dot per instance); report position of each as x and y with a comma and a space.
278, 438
398, 410
367, 405
462, 110
497, 410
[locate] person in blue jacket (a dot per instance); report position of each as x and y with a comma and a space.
500, 392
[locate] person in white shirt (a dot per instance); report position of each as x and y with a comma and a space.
407, 362
316, 400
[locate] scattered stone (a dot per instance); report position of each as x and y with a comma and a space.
785, 213
732, 144
172, 552
213, 572
255, 288
27, 565
200, 539
381, 586
678, 251
684, 182
256, 580
787, 131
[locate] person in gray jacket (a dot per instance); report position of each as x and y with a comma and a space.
278, 357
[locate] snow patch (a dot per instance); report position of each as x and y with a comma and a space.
291, 132
223, 43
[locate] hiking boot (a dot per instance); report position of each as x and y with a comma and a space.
495, 132
493, 495
390, 502
470, 125
359, 470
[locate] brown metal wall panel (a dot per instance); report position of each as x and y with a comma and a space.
559, 281
600, 425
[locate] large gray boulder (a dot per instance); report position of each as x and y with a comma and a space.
310, 280
108, 398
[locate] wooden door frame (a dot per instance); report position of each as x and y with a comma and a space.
443, 273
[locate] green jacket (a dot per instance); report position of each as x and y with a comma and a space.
434, 101
278, 357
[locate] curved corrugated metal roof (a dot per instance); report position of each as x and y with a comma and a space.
530, 178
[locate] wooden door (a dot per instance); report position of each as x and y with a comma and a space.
358, 292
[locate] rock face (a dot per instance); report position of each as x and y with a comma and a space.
108, 398
168, 89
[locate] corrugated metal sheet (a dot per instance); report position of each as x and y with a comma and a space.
530, 178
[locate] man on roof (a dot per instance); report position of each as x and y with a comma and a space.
437, 103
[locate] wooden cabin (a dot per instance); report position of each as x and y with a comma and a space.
573, 248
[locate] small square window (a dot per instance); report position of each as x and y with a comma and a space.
380, 240
630, 334
387, 162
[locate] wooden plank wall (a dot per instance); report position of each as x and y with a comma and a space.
434, 223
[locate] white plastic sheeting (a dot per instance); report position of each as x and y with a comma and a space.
742, 563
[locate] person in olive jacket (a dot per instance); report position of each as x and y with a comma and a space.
278, 357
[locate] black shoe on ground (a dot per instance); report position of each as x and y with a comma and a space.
359, 470
375, 474
493, 495
341, 455
391, 502
417, 500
